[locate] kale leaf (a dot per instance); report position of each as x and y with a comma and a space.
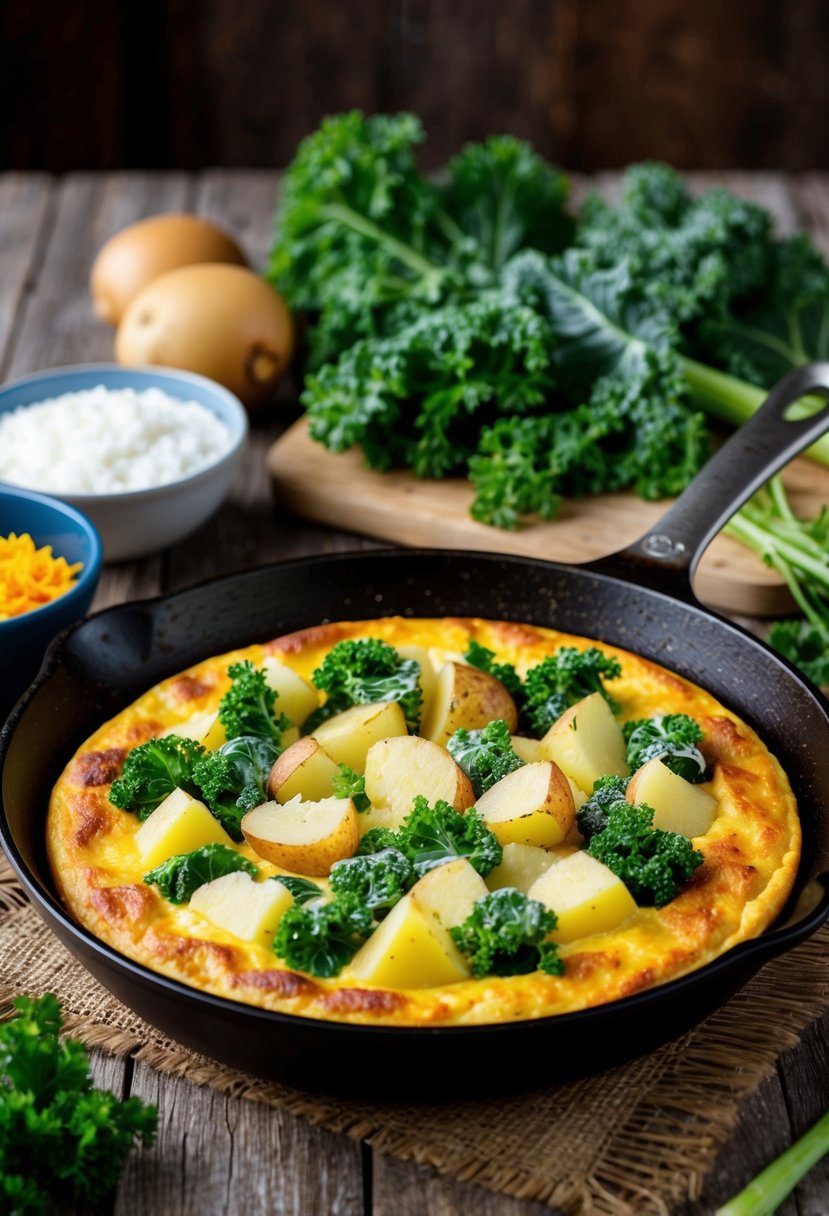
591, 818
363, 672
321, 938
153, 770
507, 934
653, 864
562, 679
378, 880
348, 784
673, 738
805, 644
178, 877
485, 755
248, 706
484, 659
302, 889
234, 778
431, 835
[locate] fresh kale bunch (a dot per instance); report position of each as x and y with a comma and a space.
507, 934
378, 880
485, 755
562, 679
363, 672
653, 864
178, 877
249, 705
671, 737
348, 784
234, 778
62, 1143
591, 818
320, 938
431, 835
153, 770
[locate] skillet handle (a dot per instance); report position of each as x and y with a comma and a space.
666, 557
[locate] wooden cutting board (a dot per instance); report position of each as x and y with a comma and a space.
339, 490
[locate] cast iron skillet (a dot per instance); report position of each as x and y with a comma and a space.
640, 599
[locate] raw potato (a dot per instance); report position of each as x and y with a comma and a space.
449, 891
142, 252
247, 909
587, 742
296, 698
428, 675
531, 805
586, 896
179, 824
304, 770
348, 736
679, 806
224, 322
410, 949
521, 866
399, 769
466, 697
304, 837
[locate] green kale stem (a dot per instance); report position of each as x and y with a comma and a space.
734, 401
764, 1195
404, 253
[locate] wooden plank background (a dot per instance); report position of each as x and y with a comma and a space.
593, 83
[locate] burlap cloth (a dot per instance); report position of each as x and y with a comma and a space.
626, 1141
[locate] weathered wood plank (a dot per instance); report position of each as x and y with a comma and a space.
811, 192
219, 1155
805, 1076
24, 201
409, 1190
243, 202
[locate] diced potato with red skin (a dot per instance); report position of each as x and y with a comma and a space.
409, 949
399, 769
586, 896
304, 837
521, 866
679, 805
428, 675
295, 697
586, 742
303, 770
179, 824
466, 697
247, 909
348, 736
531, 805
449, 891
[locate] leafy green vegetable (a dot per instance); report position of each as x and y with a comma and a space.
806, 645
248, 706
153, 770
484, 659
671, 737
234, 778
591, 818
321, 938
378, 880
348, 784
178, 877
363, 672
562, 679
507, 934
61, 1141
652, 864
302, 889
765, 1193
431, 835
485, 755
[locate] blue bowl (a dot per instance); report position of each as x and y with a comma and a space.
23, 639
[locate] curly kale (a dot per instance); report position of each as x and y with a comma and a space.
562, 679
673, 738
485, 755
430, 835
484, 659
321, 938
507, 934
591, 818
805, 644
363, 672
234, 778
378, 880
62, 1143
348, 784
248, 706
653, 864
302, 889
153, 770
178, 877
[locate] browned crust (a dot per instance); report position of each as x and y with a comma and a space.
99, 768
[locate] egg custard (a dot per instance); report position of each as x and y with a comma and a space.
580, 922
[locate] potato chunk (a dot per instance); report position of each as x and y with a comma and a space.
586, 896
526, 749
410, 949
177, 825
531, 805
399, 769
305, 837
247, 909
466, 697
679, 806
304, 770
296, 698
522, 865
586, 742
428, 675
348, 736
449, 891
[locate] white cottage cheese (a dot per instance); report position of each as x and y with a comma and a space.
105, 441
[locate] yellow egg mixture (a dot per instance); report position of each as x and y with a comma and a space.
751, 848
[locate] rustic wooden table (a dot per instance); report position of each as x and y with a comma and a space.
223, 1155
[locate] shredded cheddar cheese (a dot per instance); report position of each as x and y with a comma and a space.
31, 577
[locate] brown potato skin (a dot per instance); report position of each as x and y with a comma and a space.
314, 858
476, 698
